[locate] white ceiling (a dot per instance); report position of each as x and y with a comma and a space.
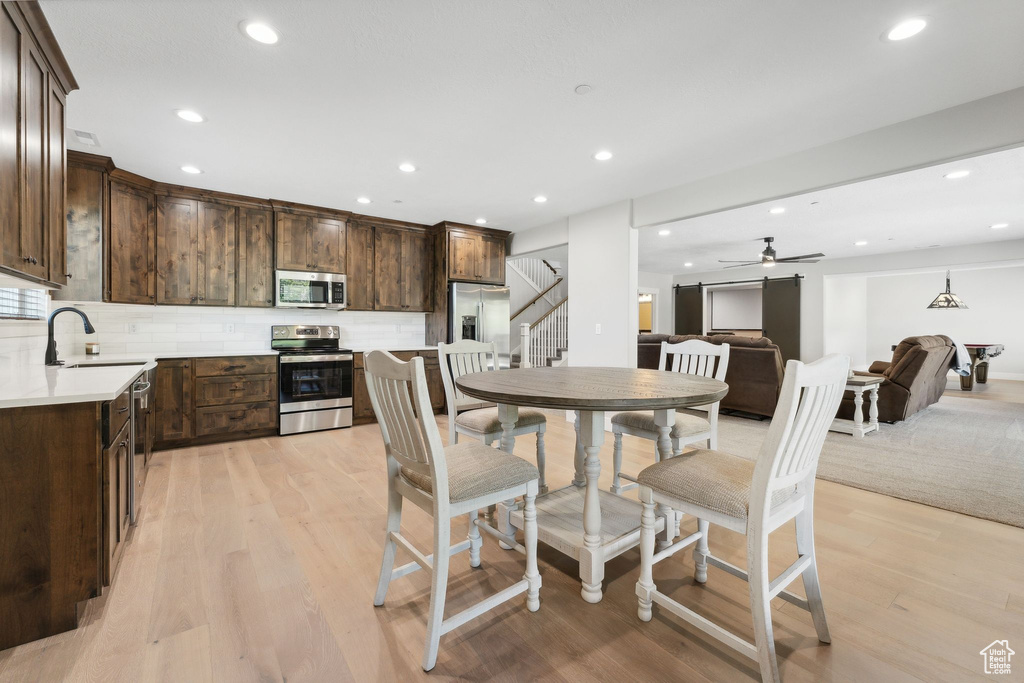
913, 210
480, 94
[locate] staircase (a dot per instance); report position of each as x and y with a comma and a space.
544, 341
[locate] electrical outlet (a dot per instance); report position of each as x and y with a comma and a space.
597, 328
133, 328
229, 328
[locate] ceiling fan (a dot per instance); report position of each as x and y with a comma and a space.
769, 259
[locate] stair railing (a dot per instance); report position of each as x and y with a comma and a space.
547, 337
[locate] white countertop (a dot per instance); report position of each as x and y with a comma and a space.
38, 385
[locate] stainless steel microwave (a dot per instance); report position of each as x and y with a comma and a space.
297, 289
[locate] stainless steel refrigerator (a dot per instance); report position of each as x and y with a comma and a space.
480, 312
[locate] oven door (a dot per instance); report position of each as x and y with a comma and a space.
315, 381
302, 290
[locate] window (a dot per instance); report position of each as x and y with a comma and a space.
22, 304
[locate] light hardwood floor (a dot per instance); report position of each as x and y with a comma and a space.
257, 560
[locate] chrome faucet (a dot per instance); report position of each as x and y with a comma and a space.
51, 345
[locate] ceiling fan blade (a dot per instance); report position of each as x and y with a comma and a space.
721, 261
742, 265
802, 256
804, 261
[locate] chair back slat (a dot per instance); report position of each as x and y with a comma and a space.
401, 403
461, 358
808, 403
696, 357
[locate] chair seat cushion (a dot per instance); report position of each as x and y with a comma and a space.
485, 420
686, 425
712, 480
475, 470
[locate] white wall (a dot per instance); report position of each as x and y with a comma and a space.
845, 319
994, 314
737, 309
603, 287
812, 298
542, 237
660, 285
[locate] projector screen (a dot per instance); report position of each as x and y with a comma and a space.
735, 309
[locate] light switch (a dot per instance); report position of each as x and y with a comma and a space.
597, 328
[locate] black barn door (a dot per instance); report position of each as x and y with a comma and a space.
780, 315
689, 305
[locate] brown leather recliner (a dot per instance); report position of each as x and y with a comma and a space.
755, 368
914, 379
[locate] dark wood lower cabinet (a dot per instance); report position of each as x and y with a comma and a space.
362, 409
173, 400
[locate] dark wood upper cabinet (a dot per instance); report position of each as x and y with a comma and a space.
327, 245
387, 269
131, 245
463, 252
218, 234
491, 263
293, 241
87, 212
417, 272
34, 82
177, 250
360, 267
255, 257
56, 185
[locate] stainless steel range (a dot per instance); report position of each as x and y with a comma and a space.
315, 378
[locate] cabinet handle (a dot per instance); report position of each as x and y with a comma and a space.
202, 299
67, 275
124, 410
34, 261
236, 418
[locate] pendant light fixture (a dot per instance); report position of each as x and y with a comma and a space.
947, 299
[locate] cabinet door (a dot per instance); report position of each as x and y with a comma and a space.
387, 258
362, 409
255, 258
327, 245
177, 250
463, 249
173, 399
84, 231
10, 141
34, 247
491, 264
435, 384
293, 241
417, 271
132, 246
56, 185
359, 266
218, 234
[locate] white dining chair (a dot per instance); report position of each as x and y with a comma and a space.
753, 498
693, 357
445, 482
465, 416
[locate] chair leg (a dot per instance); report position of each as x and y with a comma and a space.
503, 518
475, 540
394, 524
676, 450
617, 463
805, 546
540, 459
645, 585
453, 434
438, 591
700, 552
530, 533
761, 606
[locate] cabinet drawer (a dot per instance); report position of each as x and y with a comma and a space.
215, 391
235, 418
236, 365
115, 414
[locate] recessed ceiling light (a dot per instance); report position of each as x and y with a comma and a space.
956, 175
687, 265
363, 200
860, 243
189, 115
999, 226
540, 199
777, 210
663, 233
190, 169
603, 155
481, 221
906, 29
260, 32
406, 167
583, 89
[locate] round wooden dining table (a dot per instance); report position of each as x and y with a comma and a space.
580, 520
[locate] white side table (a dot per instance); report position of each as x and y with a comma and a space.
858, 384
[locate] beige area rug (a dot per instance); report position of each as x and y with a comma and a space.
959, 454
